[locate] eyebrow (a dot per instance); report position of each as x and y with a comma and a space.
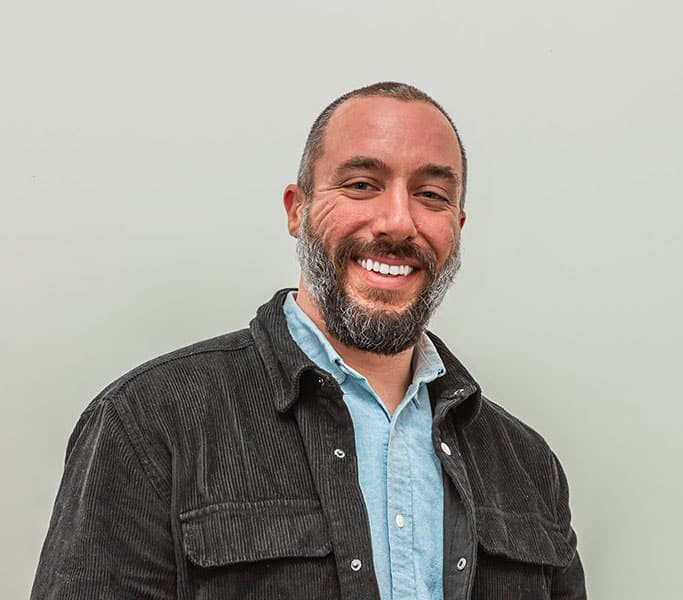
360, 163
441, 171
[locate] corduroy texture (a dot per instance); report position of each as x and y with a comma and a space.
210, 473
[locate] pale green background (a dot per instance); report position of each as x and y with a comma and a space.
144, 147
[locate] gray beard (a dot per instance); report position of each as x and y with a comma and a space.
380, 331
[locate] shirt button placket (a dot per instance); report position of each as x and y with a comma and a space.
399, 501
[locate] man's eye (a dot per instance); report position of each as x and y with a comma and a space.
360, 186
434, 196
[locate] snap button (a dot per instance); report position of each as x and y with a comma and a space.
339, 453
462, 563
321, 382
400, 521
356, 565
446, 449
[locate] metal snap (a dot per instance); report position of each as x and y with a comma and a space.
339, 453
356, 564
462, 563
446, 449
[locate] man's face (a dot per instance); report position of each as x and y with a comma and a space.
379, 236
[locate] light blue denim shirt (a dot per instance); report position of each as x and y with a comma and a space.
398, 471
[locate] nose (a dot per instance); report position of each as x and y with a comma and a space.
393, 219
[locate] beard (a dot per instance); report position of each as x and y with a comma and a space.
382, 331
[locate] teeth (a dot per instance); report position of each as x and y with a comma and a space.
384, 268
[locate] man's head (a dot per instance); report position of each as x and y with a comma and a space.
377, 213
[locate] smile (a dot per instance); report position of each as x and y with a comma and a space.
383, 268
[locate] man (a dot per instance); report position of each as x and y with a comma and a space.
334, 449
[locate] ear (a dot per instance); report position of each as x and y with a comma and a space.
294, 199
462, 217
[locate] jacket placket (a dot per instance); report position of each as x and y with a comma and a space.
327, 434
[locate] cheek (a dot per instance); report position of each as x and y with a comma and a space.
442, 235
318, 214
338, 220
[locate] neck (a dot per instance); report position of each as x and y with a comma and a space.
388, 375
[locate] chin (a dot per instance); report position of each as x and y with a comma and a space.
379, 300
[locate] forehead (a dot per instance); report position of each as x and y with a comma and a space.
412, 132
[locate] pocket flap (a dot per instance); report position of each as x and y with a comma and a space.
234, 532
522, 537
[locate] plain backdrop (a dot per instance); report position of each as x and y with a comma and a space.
144, 148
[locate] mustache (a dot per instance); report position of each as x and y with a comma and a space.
352, 247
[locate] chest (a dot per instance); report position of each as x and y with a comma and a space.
271, 505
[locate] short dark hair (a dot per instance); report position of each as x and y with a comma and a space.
389, 89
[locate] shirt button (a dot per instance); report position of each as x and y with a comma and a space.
462, 563
400, 521
339, 453
356, 565
446, 449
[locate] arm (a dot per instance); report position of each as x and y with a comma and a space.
568, 583
110, 534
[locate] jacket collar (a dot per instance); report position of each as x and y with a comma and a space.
457, 389
287, 366
283, 359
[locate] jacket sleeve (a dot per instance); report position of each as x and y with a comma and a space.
109, 535
568, 583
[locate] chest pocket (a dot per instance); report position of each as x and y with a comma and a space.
517, 555
266, 549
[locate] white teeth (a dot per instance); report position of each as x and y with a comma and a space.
384, 268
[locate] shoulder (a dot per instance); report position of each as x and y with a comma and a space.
516, 469
155, 407
159, 401
174, 371
494, 416
506, 435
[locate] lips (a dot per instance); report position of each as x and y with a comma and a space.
385, 258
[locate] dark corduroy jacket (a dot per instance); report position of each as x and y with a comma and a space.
211, 472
